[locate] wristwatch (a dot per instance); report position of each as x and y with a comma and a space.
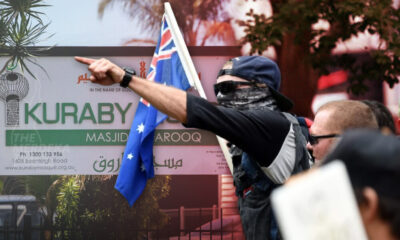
129, 72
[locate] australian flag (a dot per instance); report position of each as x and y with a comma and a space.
137, 163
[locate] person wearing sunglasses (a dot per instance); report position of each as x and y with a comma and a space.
267, 145
332, 119
250, 86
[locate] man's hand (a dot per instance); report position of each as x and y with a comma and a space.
168, 100
103, 71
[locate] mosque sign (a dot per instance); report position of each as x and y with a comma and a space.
61, 123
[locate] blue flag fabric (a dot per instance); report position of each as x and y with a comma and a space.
137, 163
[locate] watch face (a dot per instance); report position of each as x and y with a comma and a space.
129, 70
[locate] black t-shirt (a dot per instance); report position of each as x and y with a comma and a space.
260, 133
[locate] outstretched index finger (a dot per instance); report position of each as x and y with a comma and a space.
84, 60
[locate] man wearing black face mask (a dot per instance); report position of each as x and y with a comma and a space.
267, 145
250, 84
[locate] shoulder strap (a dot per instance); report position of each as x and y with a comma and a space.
303, 157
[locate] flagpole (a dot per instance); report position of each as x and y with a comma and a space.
190, 70
183, 52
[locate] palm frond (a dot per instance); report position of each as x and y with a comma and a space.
20, 36
23, 8
32, 60
3, 32
24, 67
6, 65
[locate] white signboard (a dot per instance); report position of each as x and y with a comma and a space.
60, 123
319, 205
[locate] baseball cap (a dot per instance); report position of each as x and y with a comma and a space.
262, 70
372, 159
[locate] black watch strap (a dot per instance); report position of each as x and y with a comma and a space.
129, 72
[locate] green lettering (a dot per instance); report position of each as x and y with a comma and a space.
64, 112
45, 114
30, 113
101, 112
122, 111
87, 108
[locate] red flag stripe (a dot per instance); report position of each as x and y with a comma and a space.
166, 37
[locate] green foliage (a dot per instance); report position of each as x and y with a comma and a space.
20, 28
88, 207
22, 8
3, 32
346, 19
105, 214
13, 185
67, 208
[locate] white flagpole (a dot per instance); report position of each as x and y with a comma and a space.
190, 70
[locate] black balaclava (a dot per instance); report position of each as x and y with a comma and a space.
248, 98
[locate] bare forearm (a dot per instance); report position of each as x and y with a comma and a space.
169, 100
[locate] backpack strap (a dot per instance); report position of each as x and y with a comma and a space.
303, 160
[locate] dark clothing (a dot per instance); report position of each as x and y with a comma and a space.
255, 211
254, 203
268, 142
259, 133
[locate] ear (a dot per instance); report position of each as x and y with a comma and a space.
369, 208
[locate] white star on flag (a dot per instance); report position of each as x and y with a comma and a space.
140, 128
130, 156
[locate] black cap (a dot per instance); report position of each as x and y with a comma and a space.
263, 70
372, 159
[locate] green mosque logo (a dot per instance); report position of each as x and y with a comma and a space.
13, 88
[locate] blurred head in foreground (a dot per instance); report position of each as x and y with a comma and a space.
373, 164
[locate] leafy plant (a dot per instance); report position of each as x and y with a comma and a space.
105, 213
346, 20
3, 33
20, 37
67, 208
21, 28
14, 8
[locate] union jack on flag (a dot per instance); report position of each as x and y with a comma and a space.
137, 163
164, 50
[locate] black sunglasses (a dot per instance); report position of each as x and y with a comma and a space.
229, 86
313, 139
